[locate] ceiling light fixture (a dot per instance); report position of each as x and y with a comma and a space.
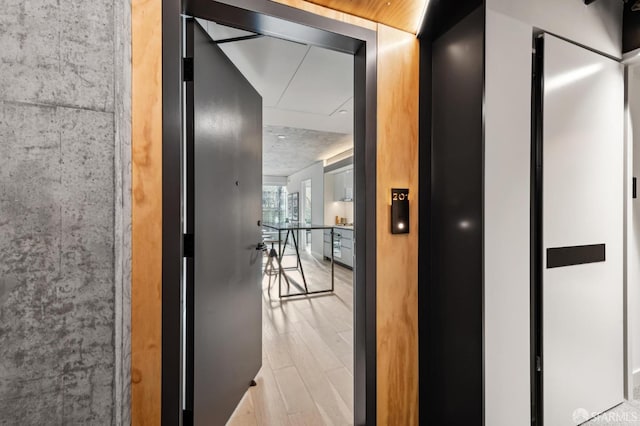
282, 137
342, 111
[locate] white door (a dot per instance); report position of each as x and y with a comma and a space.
582, 233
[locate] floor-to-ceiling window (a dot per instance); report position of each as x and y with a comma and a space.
274, 203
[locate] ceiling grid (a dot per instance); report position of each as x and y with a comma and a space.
307, 96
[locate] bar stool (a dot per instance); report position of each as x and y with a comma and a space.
270, 269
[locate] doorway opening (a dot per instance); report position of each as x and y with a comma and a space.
337, 330
284, 108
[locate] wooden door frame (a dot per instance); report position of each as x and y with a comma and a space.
285, 22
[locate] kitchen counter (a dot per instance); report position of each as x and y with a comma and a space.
294, 226
339, 246
349, 227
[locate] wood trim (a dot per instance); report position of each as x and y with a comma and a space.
146, 211
329, 13
403, 15
397, 255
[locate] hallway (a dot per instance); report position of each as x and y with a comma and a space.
307, 361
476, 162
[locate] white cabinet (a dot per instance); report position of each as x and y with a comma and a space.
344, 237
343, 186
348, 185
338, 187
342, 245
327, 243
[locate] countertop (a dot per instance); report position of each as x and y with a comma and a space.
293, 226
349, 227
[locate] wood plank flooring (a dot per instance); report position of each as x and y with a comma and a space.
307, 358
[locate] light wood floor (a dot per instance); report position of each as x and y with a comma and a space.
307, 358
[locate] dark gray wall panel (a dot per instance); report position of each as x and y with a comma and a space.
443, 15
424, 230
451, 249
630, 28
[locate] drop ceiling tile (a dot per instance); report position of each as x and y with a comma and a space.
346, 109
221, 32
268, 63
322, 84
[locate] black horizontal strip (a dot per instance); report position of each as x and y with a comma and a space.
558, 257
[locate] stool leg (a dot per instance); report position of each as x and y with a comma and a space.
266, 266
267, 270
281, 270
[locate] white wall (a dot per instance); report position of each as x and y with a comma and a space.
510, 27
633, 224
338, 208
315, 172
333, 208
598, 26
506, 210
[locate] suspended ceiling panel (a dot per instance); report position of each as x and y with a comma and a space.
307, 96
221, 32
402, 14
301, 86
268, 63
322, 84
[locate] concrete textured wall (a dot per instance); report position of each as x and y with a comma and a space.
122, 94
58, 193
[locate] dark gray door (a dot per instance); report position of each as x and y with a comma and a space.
226, 194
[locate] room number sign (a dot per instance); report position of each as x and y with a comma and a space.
399, 211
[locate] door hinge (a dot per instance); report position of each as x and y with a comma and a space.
187, 69
187, 245
538, 364
635, 188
